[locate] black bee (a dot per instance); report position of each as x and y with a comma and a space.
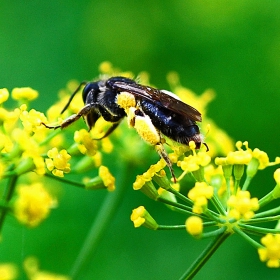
154, 112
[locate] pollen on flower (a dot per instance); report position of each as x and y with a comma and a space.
262, 157
4, 95
32, 120
24, 93
194, 162
239, 157
139, 182
242, 205
276, 176
140, 216
31, 267
271, 253
58, 162
192, 145
200, 194
33, 204
137, 216
8, 271
85, 143
106, 67
221, 161
149, 174
107, 145
107, 178
194, 225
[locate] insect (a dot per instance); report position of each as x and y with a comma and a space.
152, 112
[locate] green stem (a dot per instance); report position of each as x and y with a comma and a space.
259, 229
260, 220
187, 209
165, 227
8, 193
217, 203
228, 189
65, 181
270, 212
213, 233
266, 199
246, 183
205, 256
99, 226
246, 237
180, 196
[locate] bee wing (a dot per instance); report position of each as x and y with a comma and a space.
162, 98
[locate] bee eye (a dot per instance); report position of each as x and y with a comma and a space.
90, 87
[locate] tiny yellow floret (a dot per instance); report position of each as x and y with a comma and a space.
4, 95
85, 143
8, 271
276, 176
271, 253
239, 157
24, 93
242, 205
33, 204
107, 178
262, 157
58, 162
194, 225
141, 217
200, 194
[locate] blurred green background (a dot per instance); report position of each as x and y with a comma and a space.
230, 46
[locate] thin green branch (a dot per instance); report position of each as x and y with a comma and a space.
65, 181
167, 227
260, 229
205, 256
262, 220
7, 195
267, 213
218, 205
247, 237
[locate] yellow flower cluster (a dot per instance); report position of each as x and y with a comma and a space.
271, 252
194, 162
242, 206
8, 271
107, 178
86, 144
200, 194
33, 204
194, 225
140, 216
58, 162
31, 267
245, 156
26, 93
149, 174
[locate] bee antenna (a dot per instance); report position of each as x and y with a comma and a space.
207, 148
72, 96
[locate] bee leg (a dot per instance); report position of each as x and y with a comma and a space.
163, 154
83, 112
145, 128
